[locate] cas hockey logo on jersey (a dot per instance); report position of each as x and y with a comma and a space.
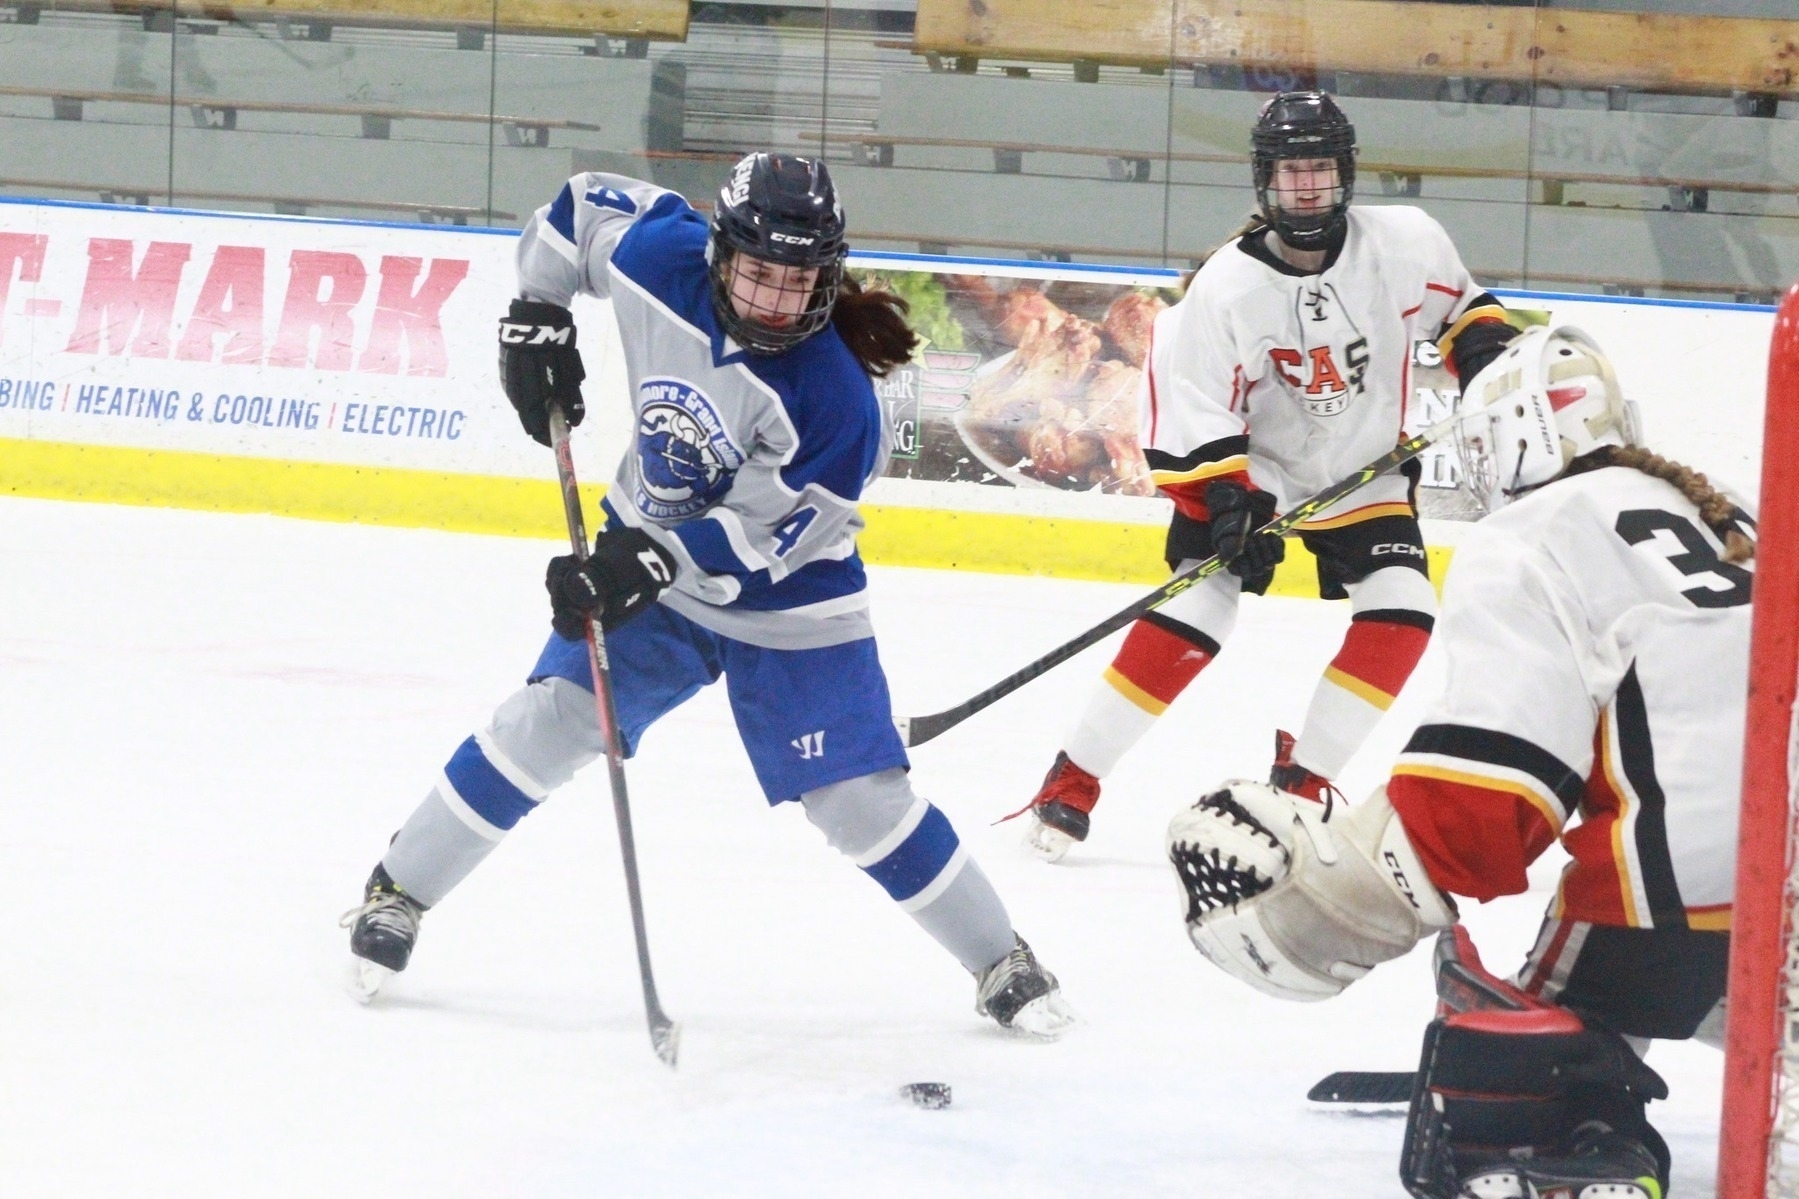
1329, 367
685, 459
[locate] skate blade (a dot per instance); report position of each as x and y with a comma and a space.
1045, 1018
365, 979
1049, 844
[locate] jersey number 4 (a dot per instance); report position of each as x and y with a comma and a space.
789, 530
1723, 584
606, 197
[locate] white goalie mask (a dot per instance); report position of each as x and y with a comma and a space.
1548, 398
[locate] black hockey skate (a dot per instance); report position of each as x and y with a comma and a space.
382, 933
1601, 1164
1061, 810
1020, 994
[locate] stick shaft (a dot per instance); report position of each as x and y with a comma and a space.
662, 1029
919, 729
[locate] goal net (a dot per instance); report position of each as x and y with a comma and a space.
1758, 1150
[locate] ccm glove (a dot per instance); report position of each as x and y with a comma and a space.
625, 573
1236, 513
539, 365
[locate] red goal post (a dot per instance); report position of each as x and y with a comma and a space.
1758, 1147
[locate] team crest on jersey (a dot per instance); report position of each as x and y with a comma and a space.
1329, 368
685, 458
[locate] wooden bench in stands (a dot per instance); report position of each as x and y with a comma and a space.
1394, 178
633, 20
142, 197
1568, 47
211, 112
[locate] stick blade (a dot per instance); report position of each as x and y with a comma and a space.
916, 730
665, 1039
1364, 1087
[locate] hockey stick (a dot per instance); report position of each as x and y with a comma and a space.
1463, 985
916, 730
1364, 1087
665, 1034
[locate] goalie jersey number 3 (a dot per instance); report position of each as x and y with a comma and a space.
1720, 584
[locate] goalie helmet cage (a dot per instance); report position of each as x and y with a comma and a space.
1758, 1148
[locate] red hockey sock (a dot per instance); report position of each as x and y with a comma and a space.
1377, 657
1156, 663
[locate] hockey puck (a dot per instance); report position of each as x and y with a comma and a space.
932, 1096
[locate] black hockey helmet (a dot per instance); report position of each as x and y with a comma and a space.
782, 209
1303, 125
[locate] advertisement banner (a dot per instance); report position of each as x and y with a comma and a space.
347, 370
303, 340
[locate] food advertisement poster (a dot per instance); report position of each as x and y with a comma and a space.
1032, 383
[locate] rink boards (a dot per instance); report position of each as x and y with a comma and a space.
346, 371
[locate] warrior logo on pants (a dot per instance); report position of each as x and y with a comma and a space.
686, 461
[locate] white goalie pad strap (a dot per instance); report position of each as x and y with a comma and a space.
1296, 899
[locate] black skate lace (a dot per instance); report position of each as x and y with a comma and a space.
1213, 881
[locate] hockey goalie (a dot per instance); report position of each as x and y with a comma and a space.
1596, 630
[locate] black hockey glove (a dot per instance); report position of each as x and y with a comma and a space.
540, 366
1236, 512
1477, 346
625, 573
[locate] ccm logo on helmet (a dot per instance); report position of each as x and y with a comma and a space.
533, 335
790, 239
1396, 547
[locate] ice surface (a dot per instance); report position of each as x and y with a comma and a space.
209, 726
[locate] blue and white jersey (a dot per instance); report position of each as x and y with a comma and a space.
746, 467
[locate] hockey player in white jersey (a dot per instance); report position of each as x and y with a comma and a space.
1596, 632
729, 549
1285, 367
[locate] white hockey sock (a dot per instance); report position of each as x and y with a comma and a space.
1113, 722
1337, 722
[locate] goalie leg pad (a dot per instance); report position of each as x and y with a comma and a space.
1295, 898
1499, 1088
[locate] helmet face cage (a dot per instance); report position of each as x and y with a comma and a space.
781, 209
1549, 398
1303, 125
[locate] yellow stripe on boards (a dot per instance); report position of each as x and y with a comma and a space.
308, 490
1003, 543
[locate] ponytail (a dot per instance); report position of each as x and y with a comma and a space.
1254, 223
1720, 515
873, 325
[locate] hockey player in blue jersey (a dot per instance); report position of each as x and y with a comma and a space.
729, 549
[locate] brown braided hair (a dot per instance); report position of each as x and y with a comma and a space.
872, 323
1715, 509
1254, 223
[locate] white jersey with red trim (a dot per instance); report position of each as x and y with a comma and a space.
1299, 378
1597, 658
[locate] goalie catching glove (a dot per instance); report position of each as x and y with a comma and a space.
540, 366
1296, 898
625, 574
